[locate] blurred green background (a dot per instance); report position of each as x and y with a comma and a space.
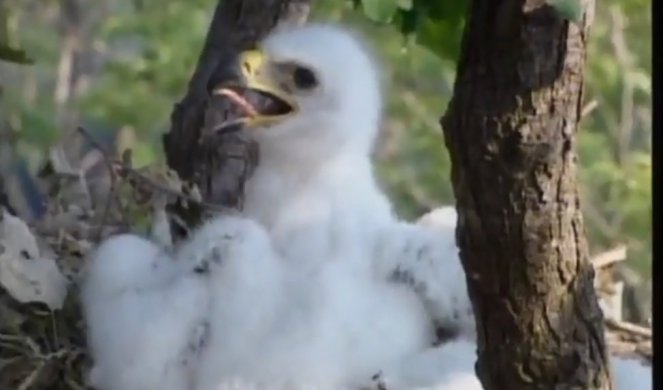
120, 65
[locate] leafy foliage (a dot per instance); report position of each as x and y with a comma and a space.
380, 10
436, 25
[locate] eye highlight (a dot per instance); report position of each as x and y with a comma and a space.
304, 78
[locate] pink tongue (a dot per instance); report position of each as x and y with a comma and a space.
238, 99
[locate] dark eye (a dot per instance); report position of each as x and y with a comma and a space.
304, 78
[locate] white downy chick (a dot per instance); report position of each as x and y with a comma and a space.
425, 256
349, 306
144, 317
314, 192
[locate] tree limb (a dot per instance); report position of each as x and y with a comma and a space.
510, 130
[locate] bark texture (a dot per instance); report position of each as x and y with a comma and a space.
510, 130
220, 164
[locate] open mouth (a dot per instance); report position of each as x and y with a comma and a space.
242, 105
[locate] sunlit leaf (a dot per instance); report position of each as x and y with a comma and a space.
440, 37
641, 80
405, 4
380, 10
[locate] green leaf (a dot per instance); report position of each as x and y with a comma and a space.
407, 21
16, 56
443, 10
405, 4
380, 10
442, 37
568, 9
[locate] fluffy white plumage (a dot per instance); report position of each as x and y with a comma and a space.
316, 284
142, 314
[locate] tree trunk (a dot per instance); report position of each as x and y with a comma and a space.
220, 164
510, 130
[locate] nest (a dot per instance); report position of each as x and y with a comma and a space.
90, 197
42, 335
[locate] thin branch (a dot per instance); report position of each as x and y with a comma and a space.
130, 171
629, 328
113, 181
589, 108
609, 257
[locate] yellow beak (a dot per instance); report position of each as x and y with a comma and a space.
259, 77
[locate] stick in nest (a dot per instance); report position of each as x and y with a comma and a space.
114, 166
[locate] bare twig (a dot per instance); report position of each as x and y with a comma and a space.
27, 382
589, 108
629, 328
607, 258
130, 171
113, 181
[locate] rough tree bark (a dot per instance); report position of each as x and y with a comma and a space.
220, 164
510, 130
